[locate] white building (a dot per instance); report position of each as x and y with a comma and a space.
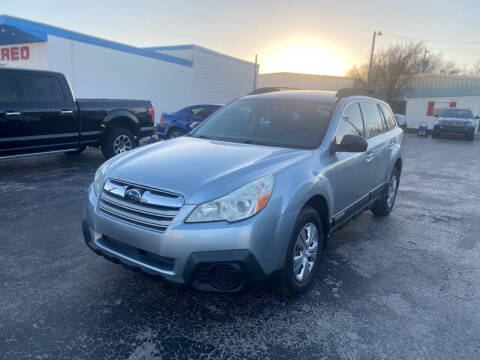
427, 95
171, 77
422, 109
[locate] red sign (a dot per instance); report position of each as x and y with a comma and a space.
14, 53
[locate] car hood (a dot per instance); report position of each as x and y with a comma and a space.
199, 169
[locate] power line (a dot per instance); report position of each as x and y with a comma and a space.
434, 41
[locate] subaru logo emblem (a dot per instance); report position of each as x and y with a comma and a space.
133, 195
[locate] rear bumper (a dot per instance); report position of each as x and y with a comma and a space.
247, 253
146, 131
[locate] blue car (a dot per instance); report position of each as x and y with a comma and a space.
181, 122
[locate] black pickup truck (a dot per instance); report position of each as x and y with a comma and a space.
39, 114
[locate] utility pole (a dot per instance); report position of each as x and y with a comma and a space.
424, 63
255, 73
371, 55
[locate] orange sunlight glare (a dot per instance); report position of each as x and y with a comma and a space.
305, 55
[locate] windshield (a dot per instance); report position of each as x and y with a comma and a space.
457, 113
271, 122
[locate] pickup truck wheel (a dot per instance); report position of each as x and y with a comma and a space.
175, 132
117, 141
385, 204
76, 152
302, 258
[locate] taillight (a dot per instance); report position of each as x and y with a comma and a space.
162, 119
151, 111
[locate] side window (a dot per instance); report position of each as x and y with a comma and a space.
351, 123
389, 118
40, 88
201, 112
374, 125
8, 89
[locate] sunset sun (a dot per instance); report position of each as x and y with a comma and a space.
305, 55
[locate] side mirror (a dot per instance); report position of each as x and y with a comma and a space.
476, 117
350, 143
435, 115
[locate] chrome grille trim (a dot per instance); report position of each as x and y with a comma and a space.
155, 209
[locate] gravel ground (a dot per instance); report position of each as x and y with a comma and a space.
402, 287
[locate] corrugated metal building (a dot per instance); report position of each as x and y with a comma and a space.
98, 68
433, 85
304, 81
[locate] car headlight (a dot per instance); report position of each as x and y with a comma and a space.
102, 171
240, 204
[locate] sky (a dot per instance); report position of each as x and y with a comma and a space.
310, 36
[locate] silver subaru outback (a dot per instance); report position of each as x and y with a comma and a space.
251, 195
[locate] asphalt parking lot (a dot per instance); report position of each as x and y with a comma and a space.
402, 287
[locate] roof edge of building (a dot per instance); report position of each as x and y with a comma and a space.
305, 74
197, 47
38, 27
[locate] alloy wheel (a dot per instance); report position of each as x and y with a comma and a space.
392, 190
305, 252
121, 144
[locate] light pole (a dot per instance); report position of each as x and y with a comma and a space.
371, 54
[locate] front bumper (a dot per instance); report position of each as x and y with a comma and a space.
454, 130
188, 254
162, 132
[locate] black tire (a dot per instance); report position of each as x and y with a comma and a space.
286, 283
175, 132
76, 152
118, 140
384, 206
471, 137
434, 135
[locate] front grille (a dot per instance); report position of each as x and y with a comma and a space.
151, 208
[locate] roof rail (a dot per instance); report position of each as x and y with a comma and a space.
265, 90
345, 92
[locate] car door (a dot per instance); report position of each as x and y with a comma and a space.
377, 154
48, 112
349, 181
12, 128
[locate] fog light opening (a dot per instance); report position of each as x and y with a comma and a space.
225, 276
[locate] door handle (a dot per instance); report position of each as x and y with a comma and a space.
66, 112
13, 113
369, 156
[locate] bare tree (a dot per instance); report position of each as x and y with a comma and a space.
475, 69
394, 67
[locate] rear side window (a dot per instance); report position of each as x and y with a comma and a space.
389, 118
40, 88
374, 125
8, 89
351, 123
